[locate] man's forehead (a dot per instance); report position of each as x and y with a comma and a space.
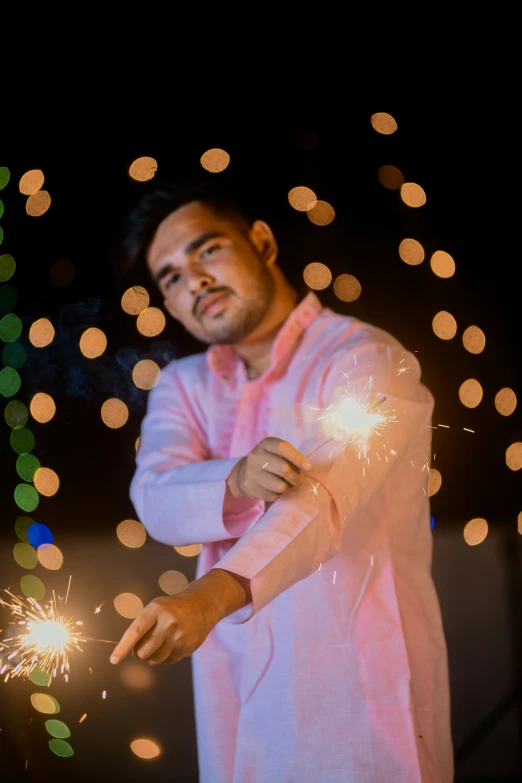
181, 227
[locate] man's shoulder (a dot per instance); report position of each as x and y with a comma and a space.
343, 332
186, 366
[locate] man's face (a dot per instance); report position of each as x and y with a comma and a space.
196, 255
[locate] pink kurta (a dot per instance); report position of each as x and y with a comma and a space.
337, 670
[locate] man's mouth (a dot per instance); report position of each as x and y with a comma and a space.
211, 304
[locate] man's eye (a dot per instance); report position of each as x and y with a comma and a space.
209, 250
172, 279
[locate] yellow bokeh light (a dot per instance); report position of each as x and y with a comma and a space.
383, 123
46, 481
442, 264
128, 605
444, 325
114, 413
31, 182
136, 676
474, 339
172, 582
347, 288
50, 556
215, 160
25, 555
131, 533
135, 299
302, 198
41, 333
411, 252
434, 482
146, 374
475, 531
93, 342
38, 203
391, 177
45, 703
321, 214
137, 443
143, 169
470, 393
514, 456
151, 322
506, 401
519, 523
42, 407
317, 276
145, 748
413, 195
189, 550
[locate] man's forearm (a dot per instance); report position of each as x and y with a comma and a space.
222, 591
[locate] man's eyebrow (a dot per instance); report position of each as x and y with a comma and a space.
195, 244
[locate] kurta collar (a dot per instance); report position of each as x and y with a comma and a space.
223, 359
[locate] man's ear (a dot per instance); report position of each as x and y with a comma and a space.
264, 241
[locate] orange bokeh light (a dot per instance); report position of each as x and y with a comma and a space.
411, 252
151, 322
114, 413
413, 195
215, 160
143, 169
41, 333
31, 182
38, 203
42, 407
383, 123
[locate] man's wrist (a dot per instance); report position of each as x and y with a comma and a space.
232, 483
223, 592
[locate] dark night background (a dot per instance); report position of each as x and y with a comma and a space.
464, 159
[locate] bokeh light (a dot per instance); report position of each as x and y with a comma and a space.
514, 456
444, 325
43, 702
62, 272
145, 748
93, 342
42, 407
39, 534
475, 531
321, 214
25, 555
114, 413
10, 382
151, 322
434, 482
16, 414
470, 393
46, 481
50, 557
442, 264
5, 176
22, 440
383, 123
411, 252
215, 160
7, 267
143, 169
135, 300
131, 533
38, 203
31, 182
137, 443
302, 198
26, 466
32, 587
171, 582
347, 288
10, 328
14, 355
391, 177
57, 728
135, 676
413, 195
41, 333
22, 525
506, 401
26, 497
519, 523
40, 677
128, 605
146, 374
317, 276
189, 550
474, 339
61, 748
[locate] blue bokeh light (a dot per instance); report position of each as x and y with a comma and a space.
432, 521
39, 534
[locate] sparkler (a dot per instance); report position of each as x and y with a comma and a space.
45, 638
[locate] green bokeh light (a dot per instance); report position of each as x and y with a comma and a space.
22, 525
14, 355
10, 328
40, 677
5, 176
26, 497
8, 297
1, 207
22, 440
10, 382
1, 235
25, 555
16, 413
57, 728
33, 587
26, 465
7, 266
61, 747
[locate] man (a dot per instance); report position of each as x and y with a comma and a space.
317, 646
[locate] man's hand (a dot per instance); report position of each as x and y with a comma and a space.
168, 629
271, 468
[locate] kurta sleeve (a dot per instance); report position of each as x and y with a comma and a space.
305, 526
179, 494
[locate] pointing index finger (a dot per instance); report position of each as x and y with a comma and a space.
132, 635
